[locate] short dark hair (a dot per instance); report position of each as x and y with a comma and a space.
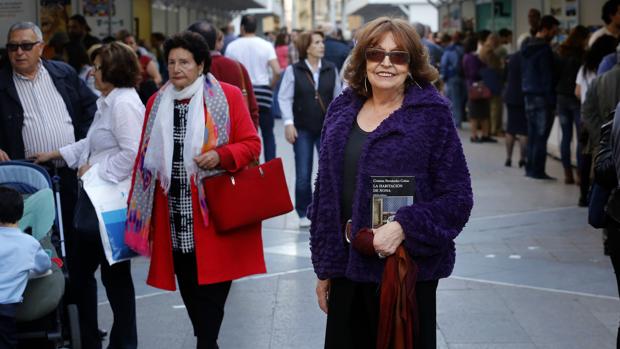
81, 20
504, 33
471, 43
281, 39
119, 64
601, 47
158, 36
548, 22
194, 43
609, 9
207, 31
123, 34
11, 205
248, 23
304, 40
483, 35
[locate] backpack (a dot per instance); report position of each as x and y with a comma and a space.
451, 63
604, 198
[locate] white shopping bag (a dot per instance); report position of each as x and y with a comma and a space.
110, 202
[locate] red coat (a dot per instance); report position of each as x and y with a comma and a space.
227, 70
219, 257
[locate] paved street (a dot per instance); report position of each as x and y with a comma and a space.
530, 273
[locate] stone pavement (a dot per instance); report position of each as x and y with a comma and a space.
530, 273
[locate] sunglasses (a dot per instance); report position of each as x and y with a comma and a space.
26, 46
377, 55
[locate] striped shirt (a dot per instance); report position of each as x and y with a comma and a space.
47, 123
264, 96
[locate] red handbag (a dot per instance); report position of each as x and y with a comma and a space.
248, 196
478, 91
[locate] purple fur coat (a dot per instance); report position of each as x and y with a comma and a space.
418, 139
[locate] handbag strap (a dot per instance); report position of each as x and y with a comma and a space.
244, 90
317, 96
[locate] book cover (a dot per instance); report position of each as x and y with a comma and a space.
389, 193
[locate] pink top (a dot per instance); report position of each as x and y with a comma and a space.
282, 53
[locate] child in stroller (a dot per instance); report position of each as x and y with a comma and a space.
44, 318
22, 256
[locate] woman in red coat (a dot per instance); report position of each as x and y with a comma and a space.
195, 127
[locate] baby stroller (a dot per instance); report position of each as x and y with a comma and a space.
43, 318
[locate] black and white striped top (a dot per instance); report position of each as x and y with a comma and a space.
180, 194
264, 95
47, 123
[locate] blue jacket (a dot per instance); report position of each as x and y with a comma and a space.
79, 99
336, 52
537, 69
419, 139
434, 51
21, 254
607, 63
452, 62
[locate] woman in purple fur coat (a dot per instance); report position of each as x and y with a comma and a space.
390, 122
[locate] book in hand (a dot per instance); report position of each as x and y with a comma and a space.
390, 193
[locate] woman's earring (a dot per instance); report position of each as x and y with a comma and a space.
366, 85
412, 80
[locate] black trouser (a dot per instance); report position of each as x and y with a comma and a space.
204, 303
353, 315
119, 289
8, 328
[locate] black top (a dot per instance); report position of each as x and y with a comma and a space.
569, 67
179, 194
513, 93
307, 110
352, 151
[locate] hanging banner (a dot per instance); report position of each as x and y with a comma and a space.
101, 13
12, 11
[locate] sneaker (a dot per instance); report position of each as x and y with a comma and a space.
304, 222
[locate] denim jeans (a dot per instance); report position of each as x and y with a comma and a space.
569, 112
265, 121
456, 93
275, 105
304, 154
539, 121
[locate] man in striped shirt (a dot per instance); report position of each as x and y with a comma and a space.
258, 56
44, 105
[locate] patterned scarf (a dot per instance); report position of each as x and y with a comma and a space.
204, 133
